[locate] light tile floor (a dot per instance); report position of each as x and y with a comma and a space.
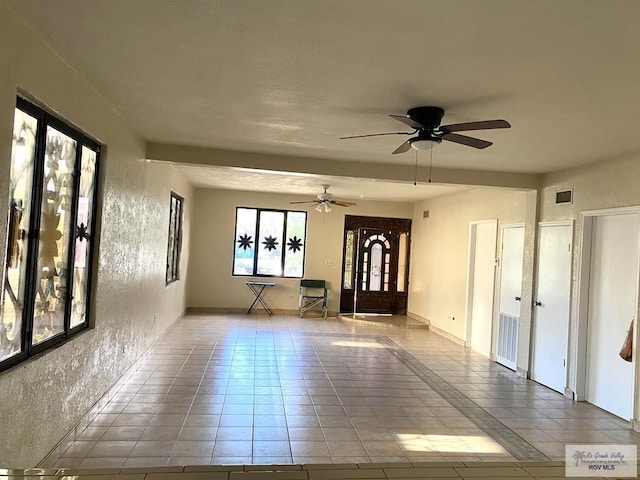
361, 471
229, 389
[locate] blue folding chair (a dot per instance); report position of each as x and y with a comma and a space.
313, 295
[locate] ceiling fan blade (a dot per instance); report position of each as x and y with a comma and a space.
408, 121
403, 148
484, 125
377, 135
309, 201
469, 141
342, 204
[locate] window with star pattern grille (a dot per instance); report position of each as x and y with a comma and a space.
269, 243
46, 284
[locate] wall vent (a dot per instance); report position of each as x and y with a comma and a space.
564, 196
425, 214
507, 349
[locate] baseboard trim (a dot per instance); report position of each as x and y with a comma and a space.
256, 311
415, 316
521, 372
447, 335
207, 310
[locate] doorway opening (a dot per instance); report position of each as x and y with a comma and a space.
607, 308
481, 285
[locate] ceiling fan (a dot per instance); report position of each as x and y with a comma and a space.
426, 124
324, 201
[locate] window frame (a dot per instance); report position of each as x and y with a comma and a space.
259, 211
45, 120
173, 275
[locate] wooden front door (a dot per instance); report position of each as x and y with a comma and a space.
375, 269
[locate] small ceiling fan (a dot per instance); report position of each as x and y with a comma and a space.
426, 124
325, 200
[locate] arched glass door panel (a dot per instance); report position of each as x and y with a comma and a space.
375, 266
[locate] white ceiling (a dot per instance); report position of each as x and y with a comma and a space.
350, 188
289, 77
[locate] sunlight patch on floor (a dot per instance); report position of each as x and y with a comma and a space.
448, 443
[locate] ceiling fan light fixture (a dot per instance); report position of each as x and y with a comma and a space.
325, 201
423, 144
323, 207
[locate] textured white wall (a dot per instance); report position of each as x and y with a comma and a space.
605, 185
210, 282
42, 398
439, 250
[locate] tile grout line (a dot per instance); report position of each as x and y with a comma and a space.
273, 350
286, 423
476, 414
204, 373
324, 433
492, 426
489, 424
465, 376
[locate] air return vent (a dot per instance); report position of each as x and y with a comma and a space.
564, 196
425, 214
507, 351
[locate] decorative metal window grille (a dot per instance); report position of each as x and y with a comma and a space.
46, 283
349, 251
269, 243
175, 238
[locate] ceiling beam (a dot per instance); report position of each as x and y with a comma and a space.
319, 166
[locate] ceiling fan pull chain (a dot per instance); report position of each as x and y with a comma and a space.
415, 175
430, 162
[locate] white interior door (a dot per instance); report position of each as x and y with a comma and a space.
612, 304
482, 284
551, 321
510, 295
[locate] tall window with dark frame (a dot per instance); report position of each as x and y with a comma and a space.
269, 243
46, 283
175, 238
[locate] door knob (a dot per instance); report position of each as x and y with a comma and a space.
518, 299
538, 304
